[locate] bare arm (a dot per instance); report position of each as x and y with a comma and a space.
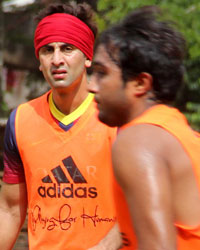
13, 207
111, 241
140, 165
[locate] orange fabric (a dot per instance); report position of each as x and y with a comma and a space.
175, 123
124, 219
69, 178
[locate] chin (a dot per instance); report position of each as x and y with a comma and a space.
108, 121
60, 85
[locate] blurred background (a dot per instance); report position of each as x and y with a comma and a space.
20, 79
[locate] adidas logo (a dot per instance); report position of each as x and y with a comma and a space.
59, 189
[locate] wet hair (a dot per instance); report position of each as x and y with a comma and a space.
83, 11
143, 43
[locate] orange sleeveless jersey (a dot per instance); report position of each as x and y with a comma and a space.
69, 179
174, 122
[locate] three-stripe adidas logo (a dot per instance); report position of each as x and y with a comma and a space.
60, 176
61, 189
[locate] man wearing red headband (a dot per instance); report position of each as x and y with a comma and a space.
57, 153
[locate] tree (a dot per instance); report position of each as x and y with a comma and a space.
2, 104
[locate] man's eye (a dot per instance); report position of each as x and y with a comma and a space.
47, 49
98, 72
67, 48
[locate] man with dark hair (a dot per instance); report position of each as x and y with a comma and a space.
57, 153
137, 73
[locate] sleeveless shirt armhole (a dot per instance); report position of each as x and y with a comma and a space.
13, 166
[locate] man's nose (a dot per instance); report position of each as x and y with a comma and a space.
57, 57
92, 86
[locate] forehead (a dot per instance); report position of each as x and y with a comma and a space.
103, 58
58, 44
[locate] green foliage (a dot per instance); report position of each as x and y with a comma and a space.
193, 114
5, 111
186, 16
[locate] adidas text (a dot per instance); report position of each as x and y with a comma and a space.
58, 191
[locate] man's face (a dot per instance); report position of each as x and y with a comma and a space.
62, 64
110, 93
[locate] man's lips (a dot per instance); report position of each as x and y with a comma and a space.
95, 99
97, 102
59, 73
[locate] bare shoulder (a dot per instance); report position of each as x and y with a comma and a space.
144, 137
141, 137
141, 150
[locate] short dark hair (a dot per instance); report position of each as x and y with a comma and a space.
143, 43
83, 11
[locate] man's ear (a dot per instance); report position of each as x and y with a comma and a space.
88, 63
143, 83
40, 67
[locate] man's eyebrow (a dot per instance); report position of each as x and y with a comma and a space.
69, 44
47, 46
97, 63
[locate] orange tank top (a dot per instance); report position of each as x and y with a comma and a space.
69, 179
174, 122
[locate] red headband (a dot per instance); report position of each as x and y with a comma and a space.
61, 27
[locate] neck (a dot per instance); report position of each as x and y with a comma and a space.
70, 98
140, 106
